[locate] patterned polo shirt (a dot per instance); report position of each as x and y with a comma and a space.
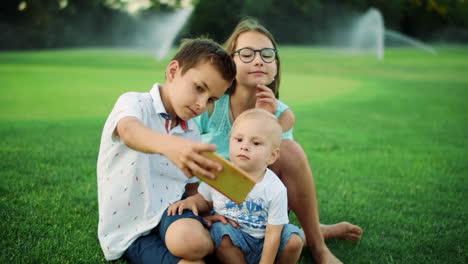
135, 188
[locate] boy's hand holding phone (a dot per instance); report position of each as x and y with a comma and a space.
186, 155
231, 181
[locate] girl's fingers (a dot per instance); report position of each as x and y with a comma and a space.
263, 88
264, 95
266, 100
268, 104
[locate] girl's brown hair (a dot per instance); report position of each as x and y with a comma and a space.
246, 25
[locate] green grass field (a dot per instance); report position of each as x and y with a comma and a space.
387, 142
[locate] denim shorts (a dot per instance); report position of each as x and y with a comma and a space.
151, 248
251, 247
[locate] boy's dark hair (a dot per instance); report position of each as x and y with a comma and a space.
201, 50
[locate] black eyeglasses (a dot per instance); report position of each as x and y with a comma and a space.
247, 55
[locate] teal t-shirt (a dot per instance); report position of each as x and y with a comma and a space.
215, 129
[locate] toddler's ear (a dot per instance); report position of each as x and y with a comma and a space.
171, 70
274, 156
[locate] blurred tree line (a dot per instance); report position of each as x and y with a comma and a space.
310, 21
27, 24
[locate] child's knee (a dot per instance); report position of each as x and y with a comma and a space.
188, 239
294, 244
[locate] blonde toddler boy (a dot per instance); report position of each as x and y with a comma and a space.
264, 235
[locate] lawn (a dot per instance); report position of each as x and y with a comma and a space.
387, 142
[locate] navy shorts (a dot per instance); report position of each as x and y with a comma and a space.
151, 248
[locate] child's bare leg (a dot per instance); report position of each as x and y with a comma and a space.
227, 253
189, 240
292, 250
293, 169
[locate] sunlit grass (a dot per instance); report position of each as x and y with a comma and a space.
387, 142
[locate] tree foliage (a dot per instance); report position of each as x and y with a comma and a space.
64, 23
55, 23
310, 21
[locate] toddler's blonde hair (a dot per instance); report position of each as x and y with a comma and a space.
274, 127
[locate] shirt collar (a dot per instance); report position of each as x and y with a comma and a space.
159, 107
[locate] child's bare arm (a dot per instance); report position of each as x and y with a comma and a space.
184, 153
191, 188
195, 203
271, 243
286, 120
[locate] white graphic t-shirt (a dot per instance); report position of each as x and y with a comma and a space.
267, 203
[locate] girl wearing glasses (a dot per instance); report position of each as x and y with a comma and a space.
256, 86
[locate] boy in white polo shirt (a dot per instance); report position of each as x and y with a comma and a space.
147, 157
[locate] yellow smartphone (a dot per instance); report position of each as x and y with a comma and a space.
231, 181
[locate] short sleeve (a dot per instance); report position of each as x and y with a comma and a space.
278, 210
127, 105
288, 134
205, 191
281, 107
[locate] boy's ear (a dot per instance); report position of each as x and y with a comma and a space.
274, 156
171, 70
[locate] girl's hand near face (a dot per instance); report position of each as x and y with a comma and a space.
265, 99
